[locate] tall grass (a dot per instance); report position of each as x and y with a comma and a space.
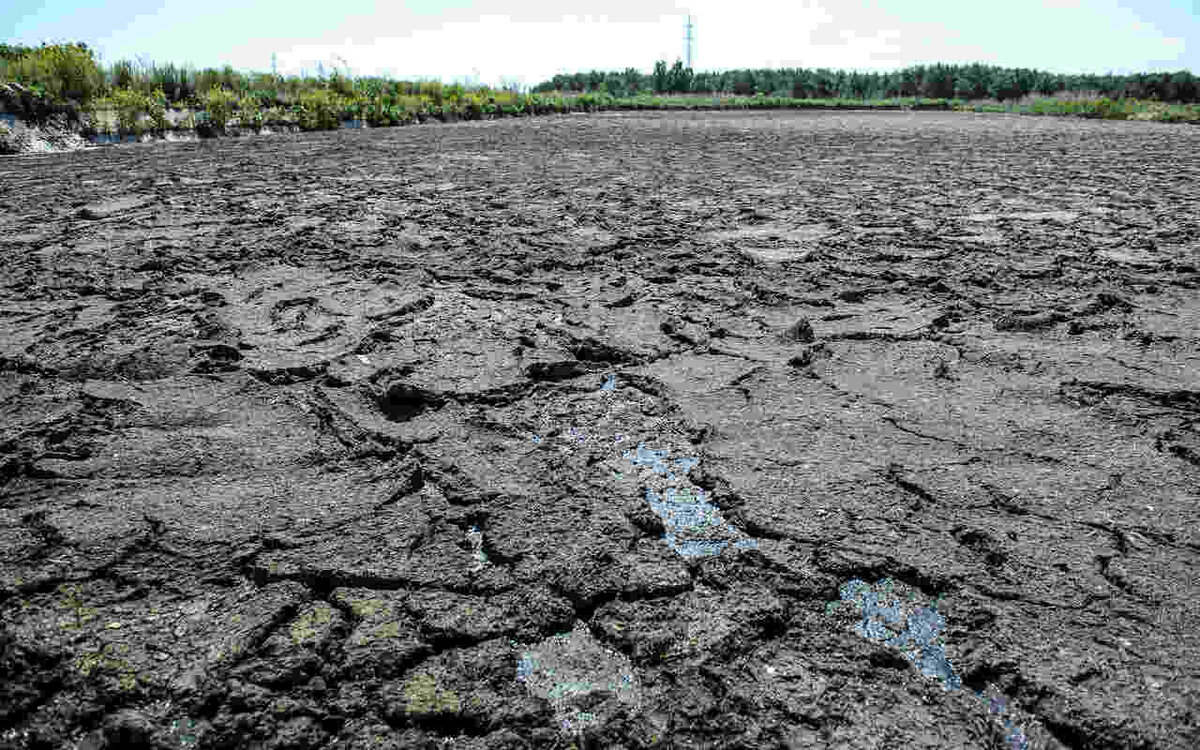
1101, 107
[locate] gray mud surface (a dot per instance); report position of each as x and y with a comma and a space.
868, 430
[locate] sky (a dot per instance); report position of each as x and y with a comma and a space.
523, 42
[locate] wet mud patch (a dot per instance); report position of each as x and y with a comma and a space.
718, 429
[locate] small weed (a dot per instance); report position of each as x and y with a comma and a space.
73, 600
100, 662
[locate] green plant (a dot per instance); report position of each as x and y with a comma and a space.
129, 104
156, 107
319, 110
218, 103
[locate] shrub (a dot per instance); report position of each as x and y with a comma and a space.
61, 72
275, 115
318, 110
250, 113
1110, 110
129, 105
341, 85
432, 90
156, 107
218, 103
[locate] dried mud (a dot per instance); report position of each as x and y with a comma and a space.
868, 430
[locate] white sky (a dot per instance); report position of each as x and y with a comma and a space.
531, 41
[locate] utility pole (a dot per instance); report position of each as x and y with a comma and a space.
687, 43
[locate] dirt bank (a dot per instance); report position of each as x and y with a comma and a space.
868, 430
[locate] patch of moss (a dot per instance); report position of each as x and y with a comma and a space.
364, 607
388, 630
422, 696
304, 628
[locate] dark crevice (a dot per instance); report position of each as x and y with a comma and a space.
893, 475
592, 350
400, 402
555, 371
289, 375
1091, 392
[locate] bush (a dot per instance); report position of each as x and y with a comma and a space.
129, 105
61, 72
1110, 110
275, 115
156, 107
318, 110
341, 85
218, 103
433, 90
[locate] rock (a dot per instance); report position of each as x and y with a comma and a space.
113, 207
801, 331
1034, 322
803, 359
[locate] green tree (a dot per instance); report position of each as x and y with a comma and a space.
1183, 87
659, 77
1045, 84
679, 78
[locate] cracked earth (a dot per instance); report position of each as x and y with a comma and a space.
867, 430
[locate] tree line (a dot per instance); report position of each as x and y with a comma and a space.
938, 81
70, 70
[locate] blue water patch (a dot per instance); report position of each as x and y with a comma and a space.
687, 464
684, 509
920, 642
647, 457
525, 667
112, 138
354, 123
610, 383
8, 119
655, 459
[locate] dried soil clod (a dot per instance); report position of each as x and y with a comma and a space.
801, 331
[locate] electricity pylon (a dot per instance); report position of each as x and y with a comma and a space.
688, 43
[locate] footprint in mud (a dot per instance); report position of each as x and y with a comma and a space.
885, 611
